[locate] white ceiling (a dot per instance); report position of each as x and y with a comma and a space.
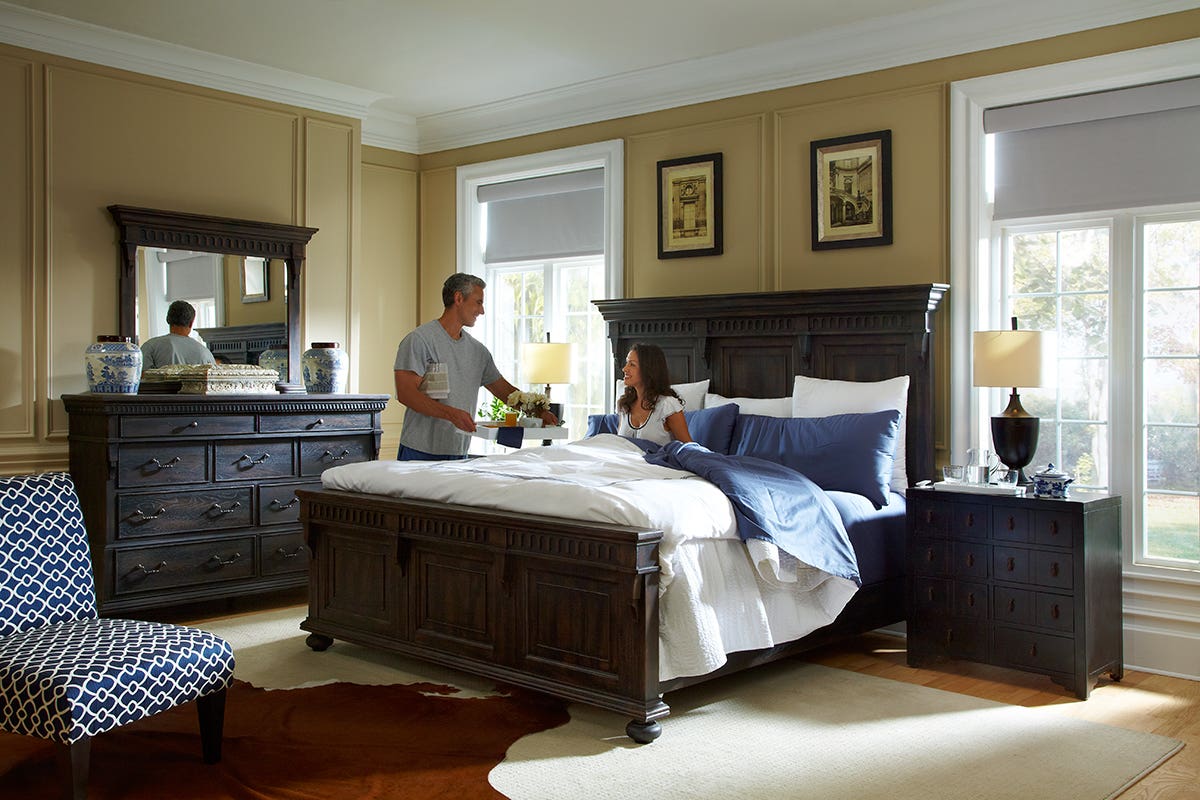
426, 75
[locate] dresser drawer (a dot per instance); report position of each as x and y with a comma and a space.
1040, 651
318, 455
277, 502
1054, 528
966, 639
1055, 570
1014, 606
1010, 564
970, 600
257, 460
931, 557
144, 569
1010, 524
281, 553
931, 596
970, 560
177, 512
1056, 611
186, 426
971, 521
928, 518
314, 423
162, 464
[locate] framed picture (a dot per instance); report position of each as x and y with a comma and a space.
689, 207
254, 280
852, 191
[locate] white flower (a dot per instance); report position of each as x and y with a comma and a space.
529, 403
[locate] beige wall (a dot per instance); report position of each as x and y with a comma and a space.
76, 138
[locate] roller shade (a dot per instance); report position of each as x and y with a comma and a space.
1121, 149
552, 216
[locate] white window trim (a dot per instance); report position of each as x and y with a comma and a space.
1162, 627
610, 155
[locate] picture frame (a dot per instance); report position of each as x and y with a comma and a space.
255, 283
690, 207
852, 191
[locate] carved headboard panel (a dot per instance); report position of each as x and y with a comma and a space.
753, 345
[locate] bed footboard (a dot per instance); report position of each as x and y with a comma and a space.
560, 606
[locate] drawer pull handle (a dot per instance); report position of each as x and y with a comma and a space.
1012, 523
278, 506
154, 462
318, 423
1012, 563
140, 568
144, 516
1054, 611
225, 562
971, 599
1053, 527
928, 516
970, 559
217, 507
253, 460
1012, 604
970, 519
928, 555
192, 424
1054, 570
1033, 650
332, 457
285, 554
929, 592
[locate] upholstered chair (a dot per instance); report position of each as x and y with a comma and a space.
66, 674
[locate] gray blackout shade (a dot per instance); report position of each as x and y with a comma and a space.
553, 216
1123, 149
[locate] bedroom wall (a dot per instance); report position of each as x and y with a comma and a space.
77, 137
765, 141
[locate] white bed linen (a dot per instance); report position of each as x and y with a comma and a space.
716, 595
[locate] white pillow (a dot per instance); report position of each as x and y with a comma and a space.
768, 407
692, 394
816, 397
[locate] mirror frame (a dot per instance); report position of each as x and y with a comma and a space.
240, 237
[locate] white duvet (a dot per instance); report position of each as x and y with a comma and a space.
716, 594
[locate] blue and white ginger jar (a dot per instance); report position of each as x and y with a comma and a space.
113, 365
275, 359
326, 368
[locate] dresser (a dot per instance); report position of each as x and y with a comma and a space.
1021, 582
192, 497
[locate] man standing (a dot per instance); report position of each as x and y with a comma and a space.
439, 369
178, 346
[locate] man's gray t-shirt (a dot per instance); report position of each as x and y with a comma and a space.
163, 351
468, 364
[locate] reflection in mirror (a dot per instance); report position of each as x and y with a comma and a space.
170, 255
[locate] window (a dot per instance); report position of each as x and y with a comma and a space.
542, 275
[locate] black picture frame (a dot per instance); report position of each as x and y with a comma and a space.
690, 207
852, 191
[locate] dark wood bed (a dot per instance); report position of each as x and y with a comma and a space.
569, 607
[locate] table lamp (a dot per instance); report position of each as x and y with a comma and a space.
546, 362
1015, 359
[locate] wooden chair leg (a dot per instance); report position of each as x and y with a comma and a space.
73, 760
211, 709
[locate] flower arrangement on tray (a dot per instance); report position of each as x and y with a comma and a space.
531, 404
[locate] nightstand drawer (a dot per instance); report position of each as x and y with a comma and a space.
971, 521
1041, 651
931, 596
970, 560
929, 518
931, 558
970, 600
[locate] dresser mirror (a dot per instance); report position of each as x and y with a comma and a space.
210, 257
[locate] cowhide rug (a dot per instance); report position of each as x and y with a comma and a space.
339, 741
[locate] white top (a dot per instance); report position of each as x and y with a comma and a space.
654, 429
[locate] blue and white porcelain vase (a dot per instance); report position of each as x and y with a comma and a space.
326, 368
275, 359
114, 365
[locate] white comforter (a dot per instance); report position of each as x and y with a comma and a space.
716, 594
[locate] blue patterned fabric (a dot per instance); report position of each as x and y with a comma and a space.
64, 674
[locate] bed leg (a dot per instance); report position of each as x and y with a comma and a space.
318, 642
643, 732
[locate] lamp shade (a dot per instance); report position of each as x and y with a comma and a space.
546, 362
1015, 358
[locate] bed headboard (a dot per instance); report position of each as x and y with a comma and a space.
753, 345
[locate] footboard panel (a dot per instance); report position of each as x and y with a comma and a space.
556, 605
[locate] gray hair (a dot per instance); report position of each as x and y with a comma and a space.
460, 283
182, 313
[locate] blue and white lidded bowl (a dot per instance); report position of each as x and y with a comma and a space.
276, 359
1051, 482
326, 368
113, 365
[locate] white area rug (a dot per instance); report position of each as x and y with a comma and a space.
791, 730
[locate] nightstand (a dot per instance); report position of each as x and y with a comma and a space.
1021, 582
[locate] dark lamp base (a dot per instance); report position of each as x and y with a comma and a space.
1015, 440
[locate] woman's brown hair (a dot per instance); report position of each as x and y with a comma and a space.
656, 378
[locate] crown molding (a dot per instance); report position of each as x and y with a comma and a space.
963, 27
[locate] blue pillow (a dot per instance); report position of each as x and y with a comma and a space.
713, 427
846, 452
601, 423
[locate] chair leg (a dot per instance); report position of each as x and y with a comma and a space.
211, 709
73, 762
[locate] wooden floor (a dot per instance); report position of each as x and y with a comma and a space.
1140, 701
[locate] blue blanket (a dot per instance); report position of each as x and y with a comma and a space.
771, 502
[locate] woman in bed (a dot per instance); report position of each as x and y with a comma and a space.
650, 409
